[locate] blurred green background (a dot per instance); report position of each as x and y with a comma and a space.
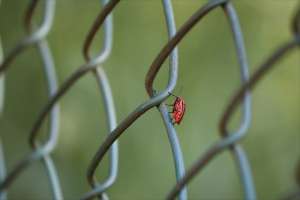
208, 76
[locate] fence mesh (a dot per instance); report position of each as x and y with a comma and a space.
229, 139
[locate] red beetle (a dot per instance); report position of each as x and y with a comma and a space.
178, 109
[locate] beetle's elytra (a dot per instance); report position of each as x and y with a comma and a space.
178, 110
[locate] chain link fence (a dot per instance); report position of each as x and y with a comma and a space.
229, 139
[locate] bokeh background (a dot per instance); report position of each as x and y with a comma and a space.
208, 76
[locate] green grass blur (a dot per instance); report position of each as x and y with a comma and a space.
208, 76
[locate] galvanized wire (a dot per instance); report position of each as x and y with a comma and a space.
33, 38
49, 71
235, 101
106, 93
90, 66
158, 98
94, 64
172, 135
37, 37
176, 149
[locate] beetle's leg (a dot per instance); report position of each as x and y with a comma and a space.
171, 118
172, 94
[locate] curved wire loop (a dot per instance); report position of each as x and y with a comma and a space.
176, 149
53, 131
37, 37
91, 65
106, 92
235, 101
237, 151
50, 76
40, 33
82, 70
172, 135
156, 99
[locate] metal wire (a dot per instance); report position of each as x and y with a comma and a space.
91, 65
233, 105
108, 103
33, 38
155, 100
229, 139
173, 139
37, 37
238, 152
49, 71
176, 149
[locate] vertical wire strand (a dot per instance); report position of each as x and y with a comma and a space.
171, 132
36, 37
51, 142
157, 99
111, 119
81, 71
237, 151
239, 154
231, 107
229, 141
180, 34
50, 75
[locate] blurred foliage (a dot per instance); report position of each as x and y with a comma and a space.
208, 76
